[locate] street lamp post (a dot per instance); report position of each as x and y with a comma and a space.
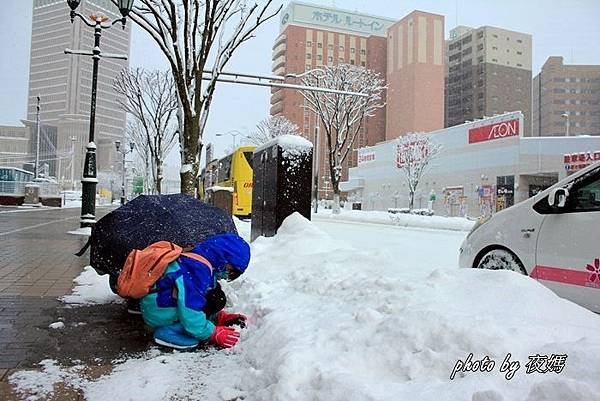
37, 139
124, 152
89, 180
233, 133
566, 116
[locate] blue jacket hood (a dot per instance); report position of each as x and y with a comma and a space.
225, 248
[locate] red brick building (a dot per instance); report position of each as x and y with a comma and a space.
314, 36
415, 74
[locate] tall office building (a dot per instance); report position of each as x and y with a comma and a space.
488, 72
566, 95
64, 82
415, 75
314, 36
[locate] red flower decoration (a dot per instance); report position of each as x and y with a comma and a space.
595, 269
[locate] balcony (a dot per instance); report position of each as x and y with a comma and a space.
278, 63
279, 50
279, 41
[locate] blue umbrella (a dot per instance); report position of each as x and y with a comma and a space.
178, 218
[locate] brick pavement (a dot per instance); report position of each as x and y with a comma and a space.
37, 266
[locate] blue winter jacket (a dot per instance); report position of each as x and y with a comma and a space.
180, 294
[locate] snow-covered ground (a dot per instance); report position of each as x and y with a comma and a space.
344, 311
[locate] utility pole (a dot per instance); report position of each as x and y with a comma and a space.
73, 139
37, 139
316, 169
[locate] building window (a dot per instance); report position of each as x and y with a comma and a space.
319, 45
496, 36
363, 51
319, 57
330, 47
308, 56
352, 62
495, 61
308, 67
341, 60
363, 63
520, 53
519, 41
309, 44
352, 50
330, 59
480, 59
479, 34
519, 65
341, 48
494, 48
480, 46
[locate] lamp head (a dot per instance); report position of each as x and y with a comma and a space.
125, 7
73, 4
118, 145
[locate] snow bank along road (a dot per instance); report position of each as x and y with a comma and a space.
361, 312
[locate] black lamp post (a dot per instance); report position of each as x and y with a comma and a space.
124, 152
89, 180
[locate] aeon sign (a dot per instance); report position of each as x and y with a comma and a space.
490, 132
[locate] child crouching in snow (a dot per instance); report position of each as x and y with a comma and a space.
184, 307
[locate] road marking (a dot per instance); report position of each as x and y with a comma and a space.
38, 225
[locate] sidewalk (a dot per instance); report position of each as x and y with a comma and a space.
37, 266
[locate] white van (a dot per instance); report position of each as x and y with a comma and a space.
554, 237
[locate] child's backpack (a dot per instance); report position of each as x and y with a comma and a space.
144, 267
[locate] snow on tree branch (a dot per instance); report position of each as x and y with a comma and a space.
272, 127
150, 99
414, 153
342, 116
197, 36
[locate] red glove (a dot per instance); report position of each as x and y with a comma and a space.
229, 319
225, 337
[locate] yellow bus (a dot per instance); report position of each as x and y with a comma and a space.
233, 171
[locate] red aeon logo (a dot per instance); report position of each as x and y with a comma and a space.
490, 132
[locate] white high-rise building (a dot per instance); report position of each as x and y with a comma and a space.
64, 81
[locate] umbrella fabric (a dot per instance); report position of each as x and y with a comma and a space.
178, 218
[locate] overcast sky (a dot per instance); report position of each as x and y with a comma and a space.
568, 28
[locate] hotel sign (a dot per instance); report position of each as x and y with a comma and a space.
494, 131
305, 14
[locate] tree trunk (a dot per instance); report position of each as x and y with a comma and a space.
191, 150
336, 197
158, 177
411, 200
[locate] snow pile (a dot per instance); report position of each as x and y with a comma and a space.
293, 143
329, 321
333, 322
399, 219
91, 289
57, 325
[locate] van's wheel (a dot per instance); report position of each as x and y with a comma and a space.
501, 259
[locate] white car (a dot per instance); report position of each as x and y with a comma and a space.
551, 237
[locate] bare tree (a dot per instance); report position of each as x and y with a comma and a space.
197, 35
272, 127
342, 116
150, 98
414, 153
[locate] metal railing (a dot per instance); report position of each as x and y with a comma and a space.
15, 188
